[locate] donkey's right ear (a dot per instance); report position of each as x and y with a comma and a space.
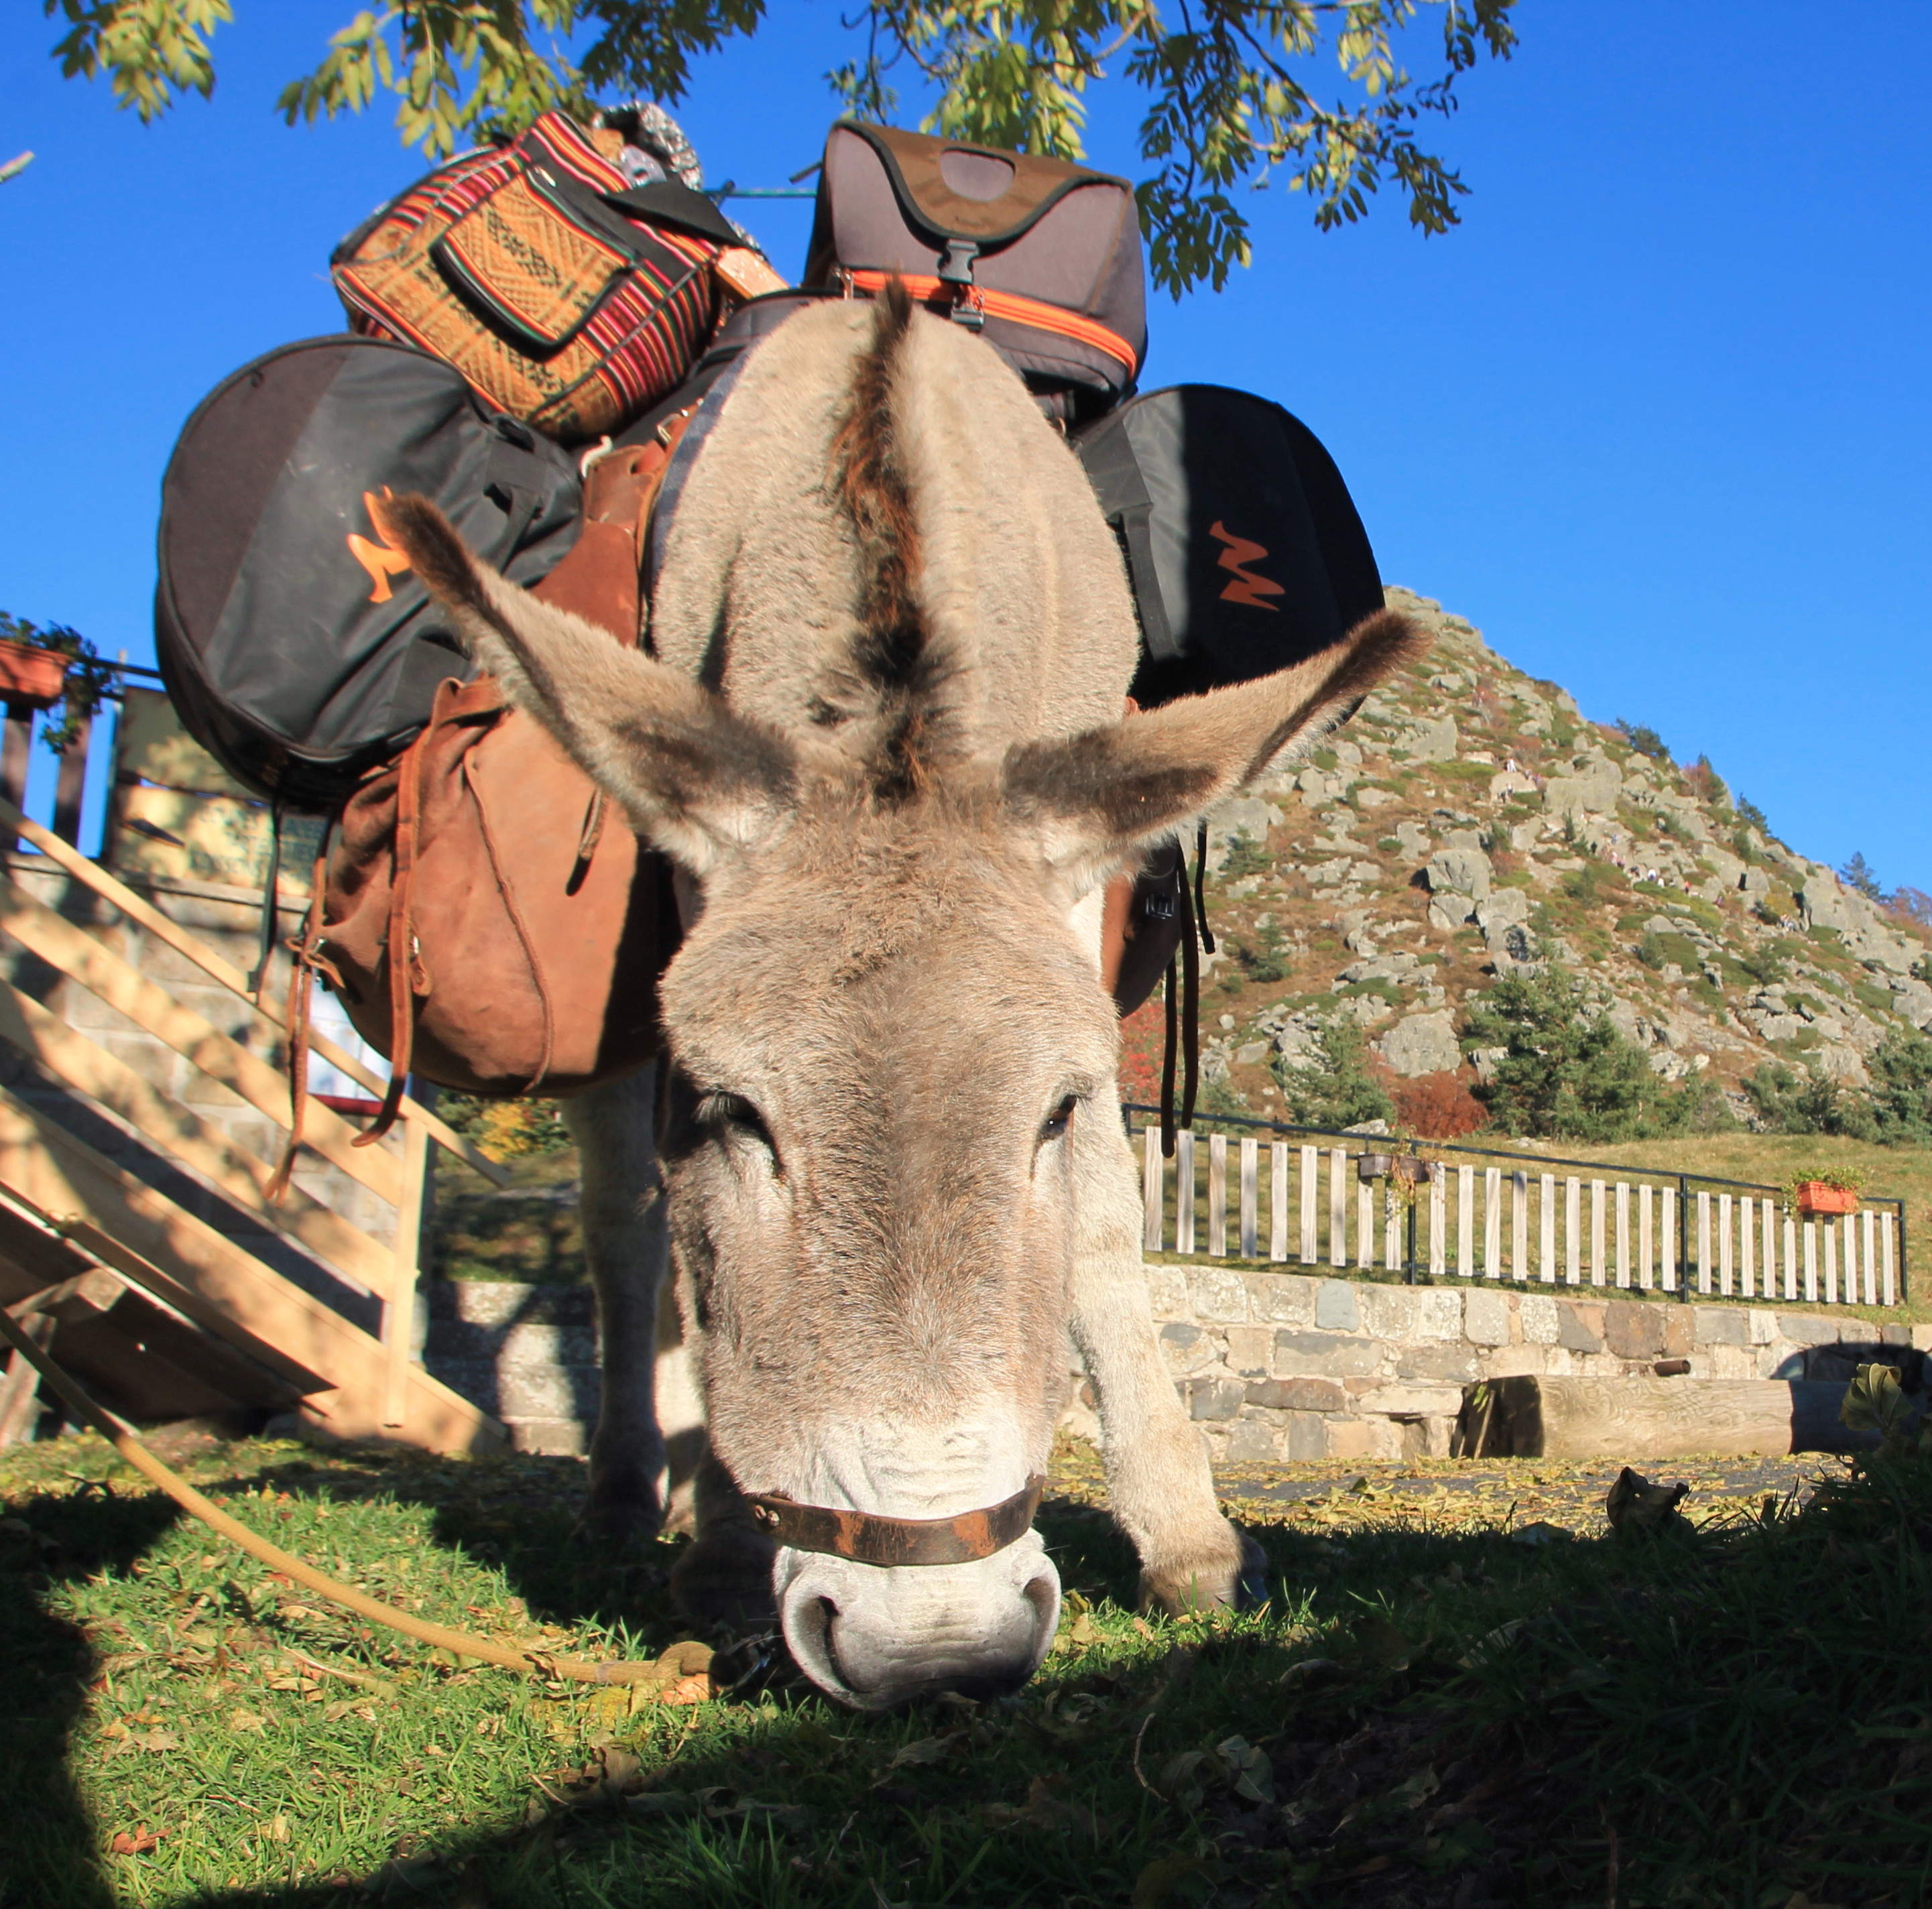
695, 778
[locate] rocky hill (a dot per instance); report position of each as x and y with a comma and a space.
1470, 823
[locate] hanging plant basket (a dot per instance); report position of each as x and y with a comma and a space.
35, 677
1822, 1197
1373, 1166
1412, 1171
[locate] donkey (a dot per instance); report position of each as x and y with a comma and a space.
881, 736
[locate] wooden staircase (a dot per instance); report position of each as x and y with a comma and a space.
136, 1233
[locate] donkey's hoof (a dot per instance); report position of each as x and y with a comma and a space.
1233, 1573
617, 1521
725, 1578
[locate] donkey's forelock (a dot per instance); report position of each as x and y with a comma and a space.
896, 686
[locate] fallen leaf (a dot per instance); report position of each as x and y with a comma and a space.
136, 1842
158, 1739
926, 1750
247, 1720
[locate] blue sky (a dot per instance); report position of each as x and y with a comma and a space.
1655, 417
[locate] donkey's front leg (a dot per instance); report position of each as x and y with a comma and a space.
1158, 1478
621, 1205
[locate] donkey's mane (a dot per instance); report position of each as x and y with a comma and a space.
900, 672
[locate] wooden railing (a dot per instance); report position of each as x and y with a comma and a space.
370, 1383
1481, 1214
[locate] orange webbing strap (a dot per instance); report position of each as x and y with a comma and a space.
303, 961
532, 1663
407, 977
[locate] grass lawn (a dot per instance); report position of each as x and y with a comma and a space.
1465, 1694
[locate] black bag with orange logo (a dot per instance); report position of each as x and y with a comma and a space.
297, 648
1244, 549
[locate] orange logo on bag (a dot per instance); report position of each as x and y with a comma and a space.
381, 560
1246, 587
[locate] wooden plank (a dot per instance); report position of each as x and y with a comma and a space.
1887, 1245
1250, 1199
103, 973
399, 1315
1725, 1269
213, 1281
1310, 1208
1573, 1230
1365, 1226
1866, 1256
1646, 1234
1767, 1213
1438, 1222
1392, 1253
20, 1388
1635, 1419
1747, 1246
1830, 1244
91, 1292
1790, 1257
1465, 1222
1848, 1228
1623, 1234
1492, 1222
1599, 1268
1278, 1201
1546, 1215
1519, 1226
1704, 1242
70, 781
1183, 1192
1810, 1263
146, 916
70, 1056
1152, 1185
1217, 1195
1338, 1206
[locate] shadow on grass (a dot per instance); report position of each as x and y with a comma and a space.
1430, 1720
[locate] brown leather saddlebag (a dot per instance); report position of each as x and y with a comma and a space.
536, 924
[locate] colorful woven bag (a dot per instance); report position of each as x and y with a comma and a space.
572, 298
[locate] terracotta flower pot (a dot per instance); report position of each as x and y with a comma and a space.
1821, 1196
30, 675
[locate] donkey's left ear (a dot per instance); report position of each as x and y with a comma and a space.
698, 779
1093, 800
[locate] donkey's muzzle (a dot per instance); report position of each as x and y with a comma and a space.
876, 1637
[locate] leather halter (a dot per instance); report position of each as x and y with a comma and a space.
869, 1538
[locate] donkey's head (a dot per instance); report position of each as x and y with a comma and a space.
893, 1095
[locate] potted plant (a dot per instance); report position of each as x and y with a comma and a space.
1821, 1193
1373, 1166
40, 667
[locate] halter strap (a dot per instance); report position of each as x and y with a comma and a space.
869, 1538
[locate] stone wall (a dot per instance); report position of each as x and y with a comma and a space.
1272, 1365
1279, 1365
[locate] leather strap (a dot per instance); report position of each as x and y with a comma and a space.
408, 978
305, 958
868, 1538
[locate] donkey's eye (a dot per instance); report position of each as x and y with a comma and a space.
732, 1113
1055, 1122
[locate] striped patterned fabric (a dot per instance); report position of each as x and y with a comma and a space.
573, 322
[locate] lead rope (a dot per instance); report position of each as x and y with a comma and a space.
535, 1662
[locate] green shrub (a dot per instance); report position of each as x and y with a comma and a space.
1901, 1095
1245, 856
1565, 1072
1787, 1102
1334, 1089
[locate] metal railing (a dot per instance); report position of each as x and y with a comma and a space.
1427, 1211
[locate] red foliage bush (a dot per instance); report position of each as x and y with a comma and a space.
1141, 1037
1437, 1107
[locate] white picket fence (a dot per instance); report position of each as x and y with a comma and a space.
1528, 1225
